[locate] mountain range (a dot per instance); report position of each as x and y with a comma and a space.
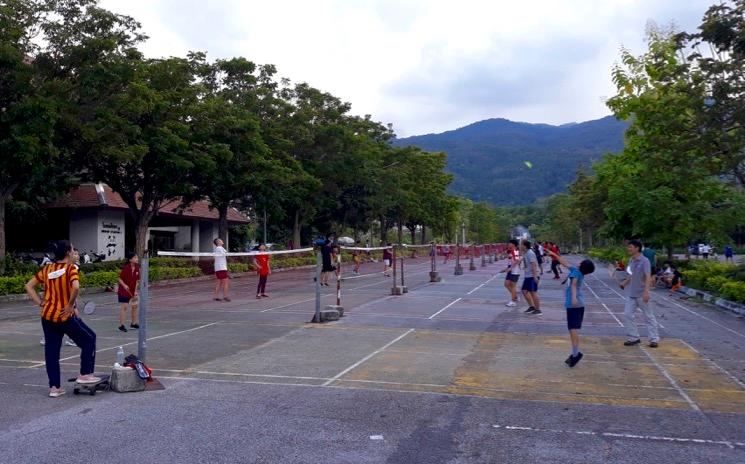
515, 163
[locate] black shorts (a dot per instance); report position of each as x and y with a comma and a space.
530, 284
123, 299
575, 317
512, 277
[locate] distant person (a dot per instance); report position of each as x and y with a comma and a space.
540, 254
446, 252
574, 302
513, 272
59, 317
263, 269
129, 282
530, 279
387, 261
651, 255
357, 257
327, 268
729, 254
554, 251
637, 287
221, 271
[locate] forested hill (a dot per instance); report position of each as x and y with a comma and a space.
488, 157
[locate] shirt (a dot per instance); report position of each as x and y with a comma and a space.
221, 261
555, 249
575, 276
651, 255
514, 257
387, 254
262, 261
529, 258
130, 275
638, 269
57, 279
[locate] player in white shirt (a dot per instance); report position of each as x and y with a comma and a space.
221, 271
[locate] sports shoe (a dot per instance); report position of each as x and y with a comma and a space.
653, 344
568, 360
43, 341
135, 326
56, 392
529, 310
122, 328
511, 304
87, 379
576, 359
537, 312
69, 342
632, 342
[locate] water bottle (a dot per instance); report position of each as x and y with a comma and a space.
120, 356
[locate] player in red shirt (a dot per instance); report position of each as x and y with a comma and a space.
263, 269
129, 281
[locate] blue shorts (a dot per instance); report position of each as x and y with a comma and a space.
575, 317
530, 284
512, 277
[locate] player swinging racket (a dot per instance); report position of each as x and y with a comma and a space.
513, 271
61, 283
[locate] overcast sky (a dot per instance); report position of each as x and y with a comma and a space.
425, 65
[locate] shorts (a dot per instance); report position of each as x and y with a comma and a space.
387, 262
221, 275
512, 277
530, 284
124, 299
575, 317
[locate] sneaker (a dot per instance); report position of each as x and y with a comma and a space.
568, 360
537, 312
264, 295
56, 392
653, 344
42, 342
227, 299
632, 342
69, 342
529, 310
217, 299
511, 304
122, 328
88, 379
135, 326
576, 359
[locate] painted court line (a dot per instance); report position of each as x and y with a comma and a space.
446, 307
135, 342
672, 381
604, 305
366, 358
713, 363
628, 436
704, 317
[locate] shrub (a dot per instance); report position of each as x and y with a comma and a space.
13, 285
99, 279
734, 290
167, 273
609, 255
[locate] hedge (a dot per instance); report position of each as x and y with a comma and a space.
609, 255
725, 280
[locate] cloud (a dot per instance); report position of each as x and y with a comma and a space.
425, 65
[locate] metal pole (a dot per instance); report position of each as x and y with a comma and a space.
142, 318
402, 273
393, 251
338, 280
317, 316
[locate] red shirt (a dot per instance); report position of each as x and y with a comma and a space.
262, 261
130, 275
555, 249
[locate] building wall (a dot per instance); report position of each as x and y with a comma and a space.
111, 234
83, 230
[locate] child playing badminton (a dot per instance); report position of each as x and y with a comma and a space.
221, 271
357, 262
574, 302
129, 281
261, 261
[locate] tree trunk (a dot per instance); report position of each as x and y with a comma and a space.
400, 232
3, 201
141, 224
412, 229
222, 223
424, 234
383, 231
296, 229
669, 252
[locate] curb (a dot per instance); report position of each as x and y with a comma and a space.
727, 305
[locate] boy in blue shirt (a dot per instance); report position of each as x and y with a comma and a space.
575, 303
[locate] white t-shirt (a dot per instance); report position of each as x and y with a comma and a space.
514, 260
221, 261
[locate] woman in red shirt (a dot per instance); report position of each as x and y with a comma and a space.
263, 269
129, 281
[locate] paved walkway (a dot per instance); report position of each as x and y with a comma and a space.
445, 373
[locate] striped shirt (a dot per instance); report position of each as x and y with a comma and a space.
57, 279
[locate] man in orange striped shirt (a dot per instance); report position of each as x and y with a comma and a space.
59, 317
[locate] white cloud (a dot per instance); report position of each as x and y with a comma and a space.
425, 66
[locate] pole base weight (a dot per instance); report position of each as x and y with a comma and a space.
327, 315
458, 270
397, 290
335, 308
434, 276
472, 267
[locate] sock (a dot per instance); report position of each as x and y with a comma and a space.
575, 350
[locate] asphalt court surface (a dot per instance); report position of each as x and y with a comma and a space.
497, 372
